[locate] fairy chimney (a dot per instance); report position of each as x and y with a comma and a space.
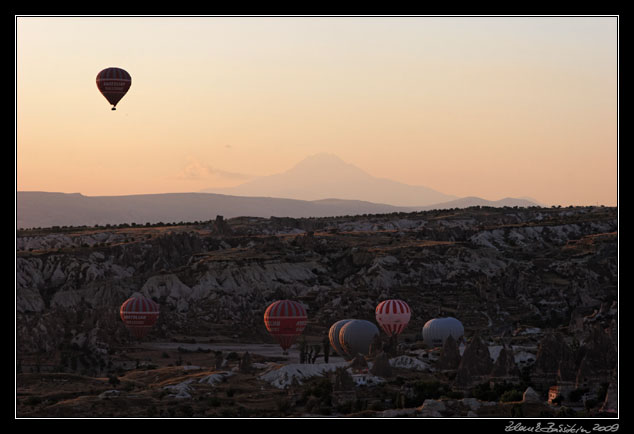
505, 368
475, 365
449, 355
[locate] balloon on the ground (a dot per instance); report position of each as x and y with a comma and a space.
333, 336
285, 320
139, 315
356, 336
393, 316
436, 330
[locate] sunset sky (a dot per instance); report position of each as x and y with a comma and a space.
470, 106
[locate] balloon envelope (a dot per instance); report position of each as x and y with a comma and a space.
356, 336
333, 336
139, 315
113, 83
436, 330
285, 320
393, 316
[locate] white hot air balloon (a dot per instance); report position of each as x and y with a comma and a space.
436, 330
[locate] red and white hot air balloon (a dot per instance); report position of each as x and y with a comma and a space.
139, 315
393, 316
113, 83
285, 320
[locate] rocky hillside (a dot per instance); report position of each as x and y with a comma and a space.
498, 270
536, 287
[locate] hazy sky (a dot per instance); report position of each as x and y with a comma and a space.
470, 106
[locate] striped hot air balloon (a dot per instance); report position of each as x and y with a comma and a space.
333, 336
393, 316
139, 315
356, 337
285, 320
113, 83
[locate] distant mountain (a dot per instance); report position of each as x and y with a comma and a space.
466, 202
44, 209
323, 176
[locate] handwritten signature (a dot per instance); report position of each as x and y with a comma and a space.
552, 427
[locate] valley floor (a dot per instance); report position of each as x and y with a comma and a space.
208, 380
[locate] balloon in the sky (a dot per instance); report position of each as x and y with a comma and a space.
285, 320
356, 337
393, 316
139, 315
333, 336
113, 83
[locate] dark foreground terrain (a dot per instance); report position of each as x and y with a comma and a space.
536, 290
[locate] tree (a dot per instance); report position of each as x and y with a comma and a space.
218, 360
325, 343
245, 363
302, 350
113, 380
315, 354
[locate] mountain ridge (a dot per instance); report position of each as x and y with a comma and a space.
47, 209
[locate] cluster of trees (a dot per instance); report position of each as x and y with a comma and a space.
310, 353
68, 228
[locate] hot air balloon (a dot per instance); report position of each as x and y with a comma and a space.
436, 330
356, 336
333, 336
113, 83
285, 320
393, 316
139, 315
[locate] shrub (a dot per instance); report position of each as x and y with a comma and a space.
33, 400
113, 380
575, 395
454, 395
517, 410
233, 356
602, 391
282, 405
423, 390
483, 392
590, 403
320, 388
511, 395
187, 410
566, 412
325, 410
504, 392
343, 408
376, 406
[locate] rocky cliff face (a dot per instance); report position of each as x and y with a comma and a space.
494, 269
